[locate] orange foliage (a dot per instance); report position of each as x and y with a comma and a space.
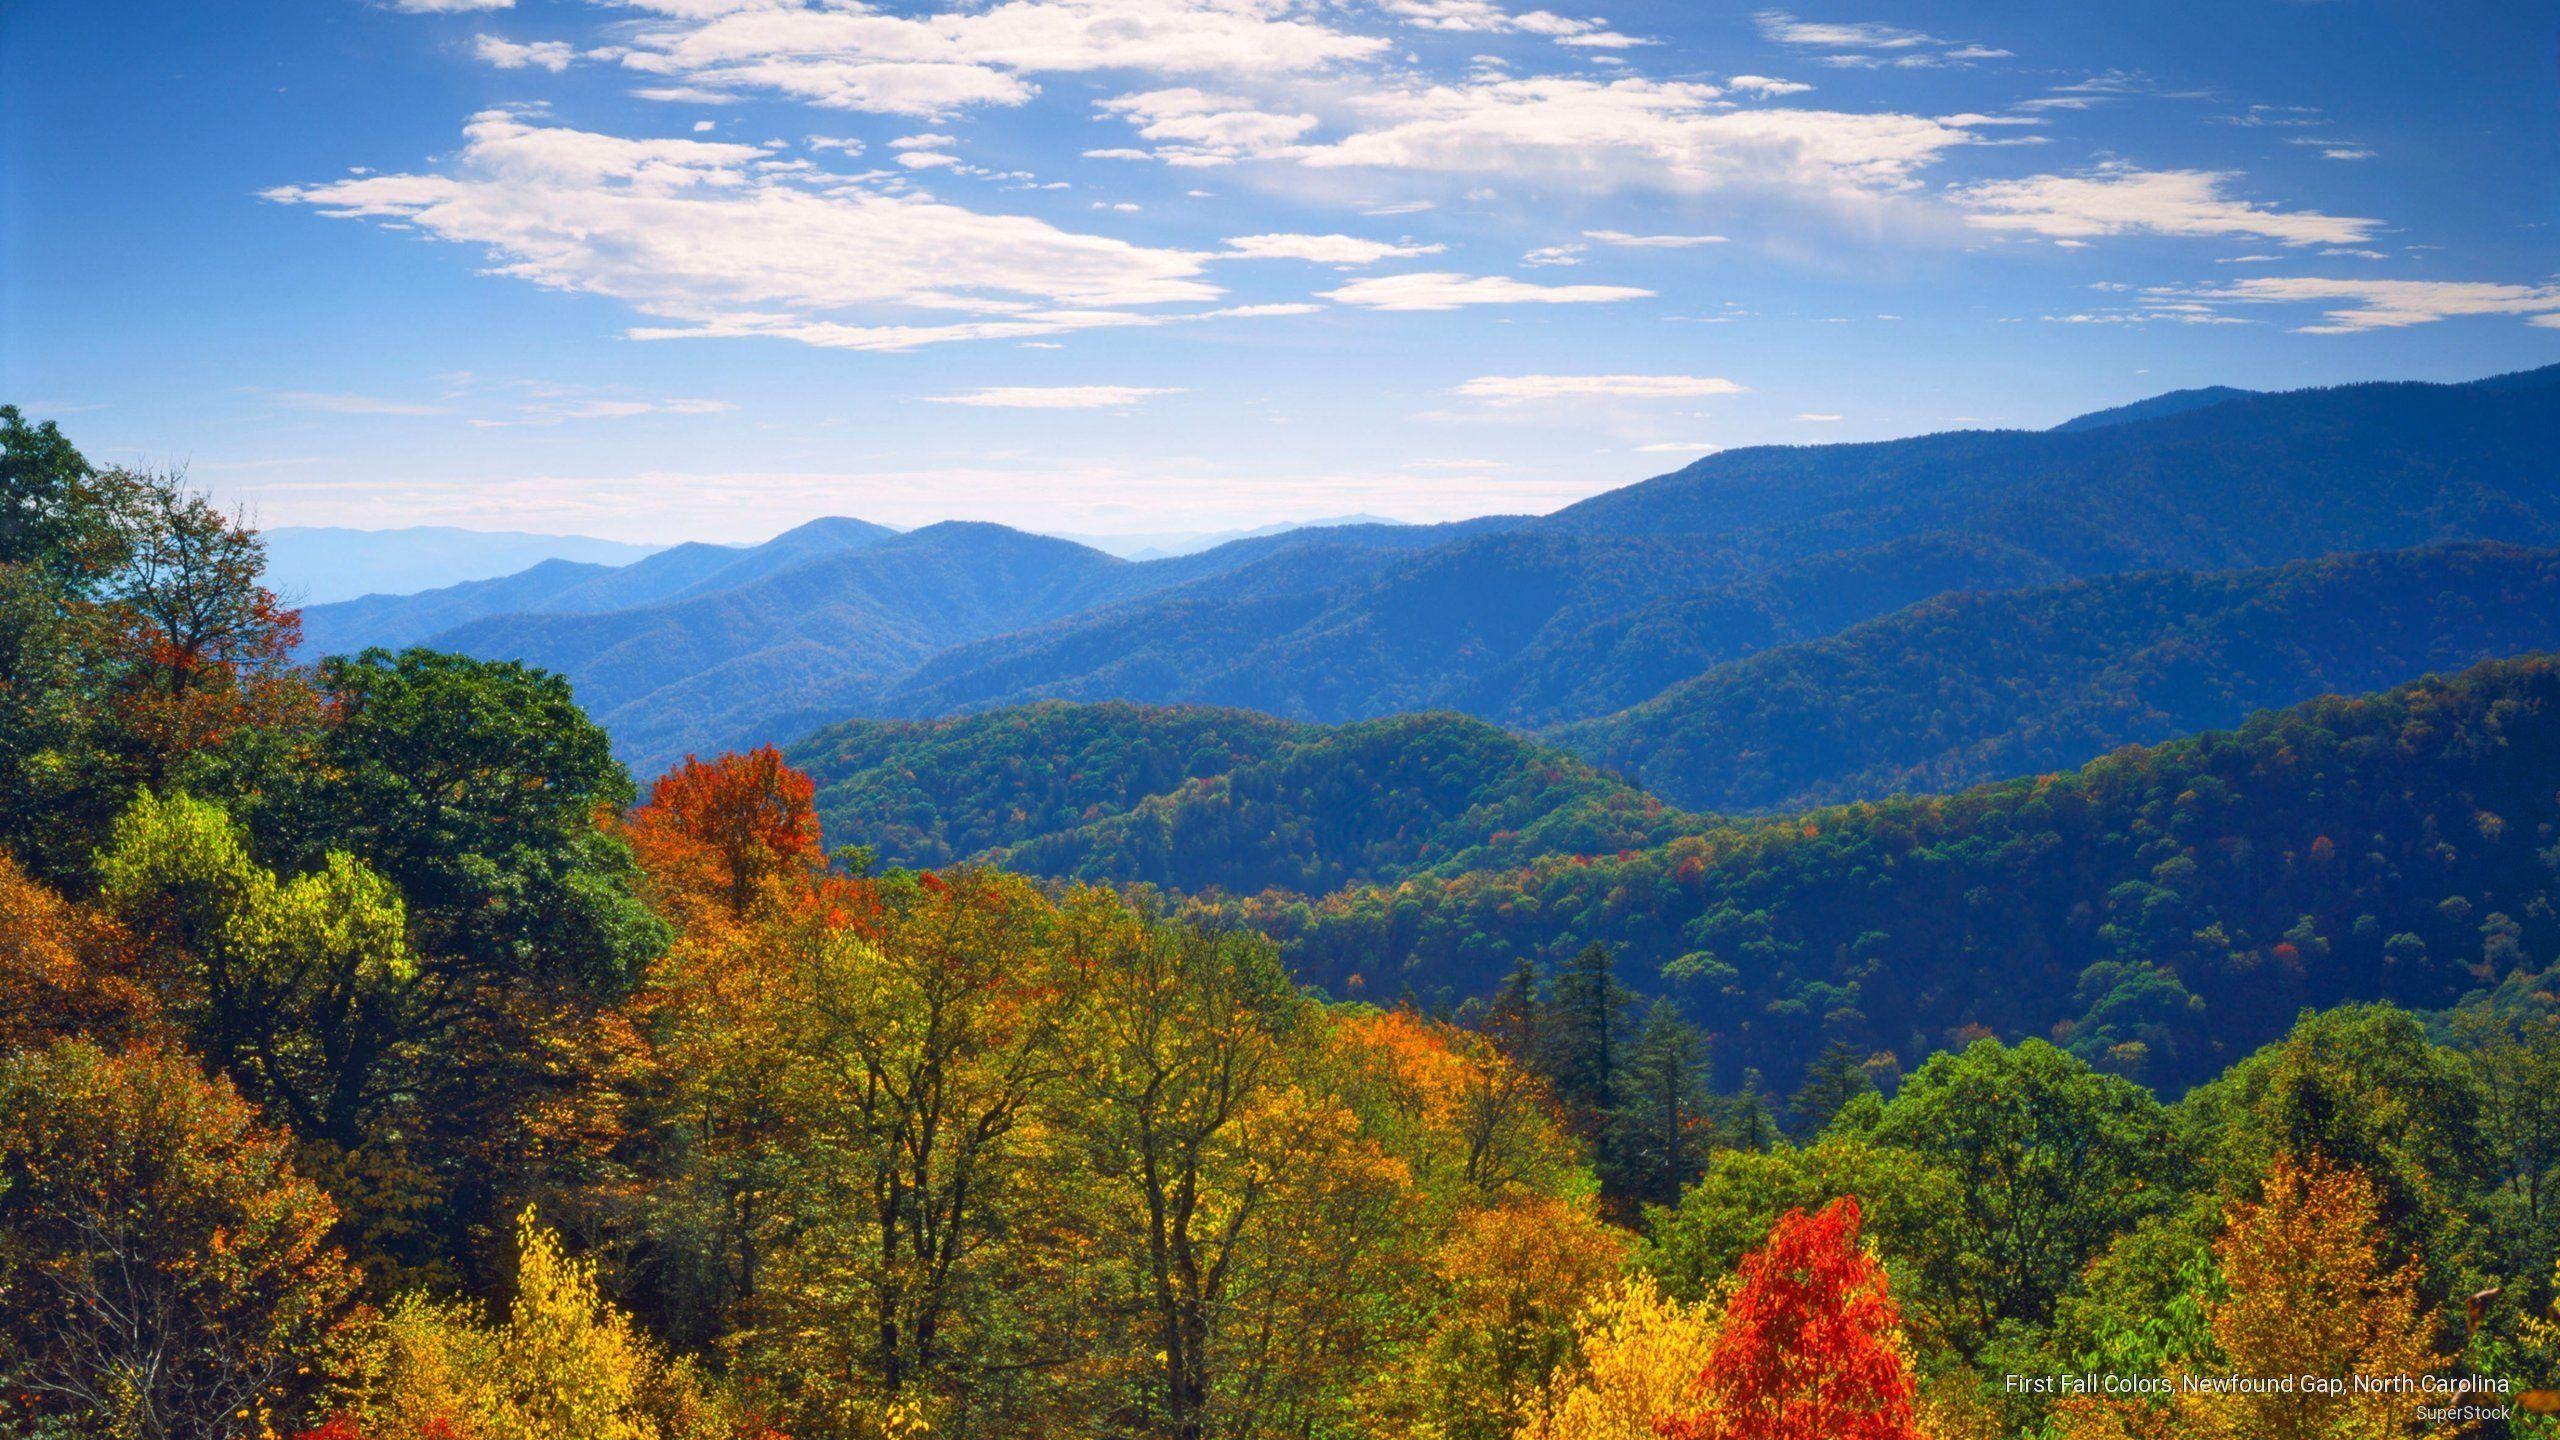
64, 969
726, 828
1811, 1344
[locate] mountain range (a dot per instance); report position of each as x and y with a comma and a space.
1606, 621
322, 564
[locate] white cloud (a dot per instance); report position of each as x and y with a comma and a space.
1323, 249
334, 403
855, 57
2122, 200
1766, 87
922, 142
551, 55
2362, 305
1651, 242
1821, 419
1678, 447
1200, 127
1053, 397
926, 160
1632, 132
1515, 389
1555, 255
1786, 29
1485, 17
694, 233
561, 411
1442, 290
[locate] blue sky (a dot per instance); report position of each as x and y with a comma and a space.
677, 269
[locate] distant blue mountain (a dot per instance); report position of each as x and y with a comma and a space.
572, 587
2176, 402
318, 564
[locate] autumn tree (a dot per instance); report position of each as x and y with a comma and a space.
2312, 1292
1635, 1362
65, 969
1509, 1282
743, 819
925, 1053
1810, 1346
563, 1364
164, 1273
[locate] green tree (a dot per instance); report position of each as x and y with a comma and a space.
475, 786
2051, 1159
1662, 1127
1836, 1077
1581, 1030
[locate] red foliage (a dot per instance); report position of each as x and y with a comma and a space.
1809, 1347
340, 1426
748, 817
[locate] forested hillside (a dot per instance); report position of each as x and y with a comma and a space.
378, 1061
1972, 687
1192, 798
2160, 911
1577, 613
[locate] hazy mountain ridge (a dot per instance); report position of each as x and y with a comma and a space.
1970, 687
1528, 622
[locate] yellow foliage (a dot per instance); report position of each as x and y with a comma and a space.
2309, 1294
1639, 1353
563, 1365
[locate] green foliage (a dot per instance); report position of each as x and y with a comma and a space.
474, 787
1192, 799
2231, 879
1984, 684
2049, 1160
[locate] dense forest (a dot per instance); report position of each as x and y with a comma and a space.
2159, 911
378, 1061
1977, 686
1192, 798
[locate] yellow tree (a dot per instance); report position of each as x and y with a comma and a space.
923, 1052
563, 1365
2310, 1294
1637, 1354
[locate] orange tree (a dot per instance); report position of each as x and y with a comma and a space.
1811, 1346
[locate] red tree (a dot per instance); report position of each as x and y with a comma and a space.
747, 817
1809, 1349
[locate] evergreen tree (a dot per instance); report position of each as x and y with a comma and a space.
1748, 1125
1581, 1023
1510, 1019
1659, 1131
1836, 1077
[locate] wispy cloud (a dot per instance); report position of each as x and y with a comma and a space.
1324, 249
2357, 306
706, 236
336, 403
1054, 397
1515, 389
1443, 290
1652, 242
2123, 200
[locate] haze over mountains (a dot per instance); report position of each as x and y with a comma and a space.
1619, 619
321, 564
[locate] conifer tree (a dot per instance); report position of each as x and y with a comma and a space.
1837, 1076
1661, 1127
